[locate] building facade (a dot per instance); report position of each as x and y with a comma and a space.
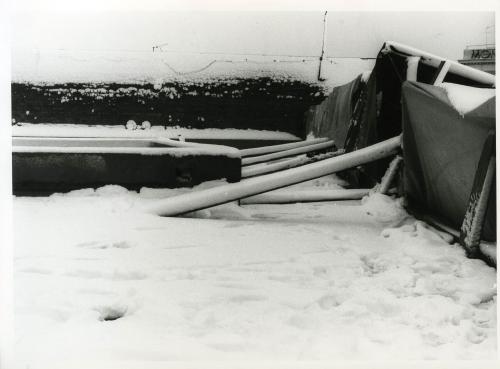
481, 57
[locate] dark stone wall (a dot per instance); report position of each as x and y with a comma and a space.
46, 173
257, 103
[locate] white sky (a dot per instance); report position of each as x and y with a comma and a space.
279, 32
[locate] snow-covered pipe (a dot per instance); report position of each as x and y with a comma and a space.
435, 61
222, 194
472, 225
287, 153
85, 145
412, 68
264, 168
275, 148
489, 249
287, 197
390, 174
195, 145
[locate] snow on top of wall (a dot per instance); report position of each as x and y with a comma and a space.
79, 130
60, 66
119, 146
464, 98
157, 151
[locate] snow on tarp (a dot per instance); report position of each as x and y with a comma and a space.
368, 109
464, 98
442, 149
78, 130
326, 281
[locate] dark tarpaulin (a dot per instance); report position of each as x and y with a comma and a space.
331, 117
359, 114
441, 154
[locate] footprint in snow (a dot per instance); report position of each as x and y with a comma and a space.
433, 338
88, 274
117, 275
104, 245
476, 335
328, 301
128, 275
35, 270
111, 312
247, 298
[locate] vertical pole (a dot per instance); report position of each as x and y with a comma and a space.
389, 175
472, 225
412, 68
320, 70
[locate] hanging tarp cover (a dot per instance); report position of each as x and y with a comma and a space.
442, 149
331, 118
361, 113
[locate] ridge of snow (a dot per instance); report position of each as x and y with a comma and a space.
79, 130
175, 152
84, 145
78, 66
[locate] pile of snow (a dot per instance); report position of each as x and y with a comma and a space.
384, 208
99, 282
131, 124
464, 98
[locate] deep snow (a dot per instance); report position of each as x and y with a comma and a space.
98, 280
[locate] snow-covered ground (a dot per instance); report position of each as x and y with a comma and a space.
98, 280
